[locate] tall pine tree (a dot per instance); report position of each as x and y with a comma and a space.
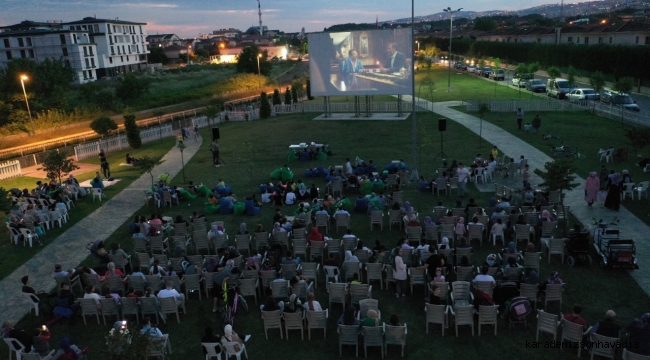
265, 107
132, 131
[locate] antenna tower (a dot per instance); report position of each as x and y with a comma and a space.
259, 12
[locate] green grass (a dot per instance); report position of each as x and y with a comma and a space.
464, 86
84, 206
262, 146
588, 133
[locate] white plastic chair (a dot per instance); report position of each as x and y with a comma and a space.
211, 350
642, 187
33, 299
28, 235
15, 347
231, 350
97, 193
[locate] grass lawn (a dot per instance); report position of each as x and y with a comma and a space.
464, 86
588, 133
252, 150
83, 207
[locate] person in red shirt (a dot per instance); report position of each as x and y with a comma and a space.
576, 318
315, 235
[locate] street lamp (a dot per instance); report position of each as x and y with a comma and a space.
259, 73
189, 50
417, 42
29, 112
451, 29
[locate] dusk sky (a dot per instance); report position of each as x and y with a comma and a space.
189, 18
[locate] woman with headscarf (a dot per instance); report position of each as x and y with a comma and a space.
371, 319
407, 207
444, 244
294, 304
613, 199
491, 260
348, 317
399, 274
113, 271
314, 235
638, 333
510, 249
532, 278
592, 185
428, 222
545, 217
460, 228
278, 228
554, 278
349, 257
242, 229
229, 336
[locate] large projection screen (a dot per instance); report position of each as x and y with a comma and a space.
369, 62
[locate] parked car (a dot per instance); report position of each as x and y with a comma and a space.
486, 71
458, 65
471, 69
478, 71
619, 99
582, 94
521, 79
535, 85
557, 88
498, 74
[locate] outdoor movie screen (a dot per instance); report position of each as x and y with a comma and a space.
369, 62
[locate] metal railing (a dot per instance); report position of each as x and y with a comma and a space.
115, 143
10, 169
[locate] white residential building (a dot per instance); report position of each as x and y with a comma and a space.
94, 48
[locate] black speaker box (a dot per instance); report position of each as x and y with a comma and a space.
215, 134
442, 125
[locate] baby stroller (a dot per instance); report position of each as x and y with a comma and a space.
518, 309
94, 249
578, 248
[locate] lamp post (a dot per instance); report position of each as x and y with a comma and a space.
29, 112
417, 42
451, 30
189, 51
181, 147
259, 73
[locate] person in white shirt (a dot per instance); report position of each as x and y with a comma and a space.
342, 211
322, 211
483, 276
463, 176
312, 304
348, 167
348, 235
90, 294
169, 291
290, 198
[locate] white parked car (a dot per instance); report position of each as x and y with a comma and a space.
581, 94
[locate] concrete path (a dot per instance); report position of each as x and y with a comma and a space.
630, 225
69, 248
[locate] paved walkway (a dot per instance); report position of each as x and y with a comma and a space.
69, 248
631, 227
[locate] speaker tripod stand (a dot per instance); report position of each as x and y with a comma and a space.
442, 127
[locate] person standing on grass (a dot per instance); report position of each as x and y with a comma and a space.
214, 147
537, 122
526, 176
520, 118
399, 274
463, 176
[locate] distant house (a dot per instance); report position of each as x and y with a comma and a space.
229, 55
622, 33
174, 52
163, 40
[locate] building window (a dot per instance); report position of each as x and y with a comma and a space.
90, 48
128, 58
118, 51
79, 27
7, 45
62, 38
123, 52
637, 40
23, 54
577, 39
121, 58
140, 29
137, 48
114, 29
31, 53
84, 27
92, 62
570, 39
586, 40
74, 38
647, 40
20, 42
110, 38
85, 51
87, 63
610, 39
600, 40
85, 76
9, 57
29, 41
108, 27
65, 51
110, 60
96, 28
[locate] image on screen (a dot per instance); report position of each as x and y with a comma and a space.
367, 62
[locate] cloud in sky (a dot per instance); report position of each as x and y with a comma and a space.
188, 18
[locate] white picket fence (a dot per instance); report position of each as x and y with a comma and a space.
10, 169
525, 105
114, 143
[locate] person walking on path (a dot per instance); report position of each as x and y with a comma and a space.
613, 199
463, 176
520, 118
537, 122
592, 185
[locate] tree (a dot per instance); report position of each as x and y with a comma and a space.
103, 126
484, 24
287, 96
572, 73
157, 55
497, 65
57, 164
132, 131
638, 137
212, 112
558, 176
247, 61
276, 97
294, 94
481, 63
521, 69
309, 97
553, 72
597, 81
5, 202
130, 87
265, 107
532, 68
624, 85
148, 163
